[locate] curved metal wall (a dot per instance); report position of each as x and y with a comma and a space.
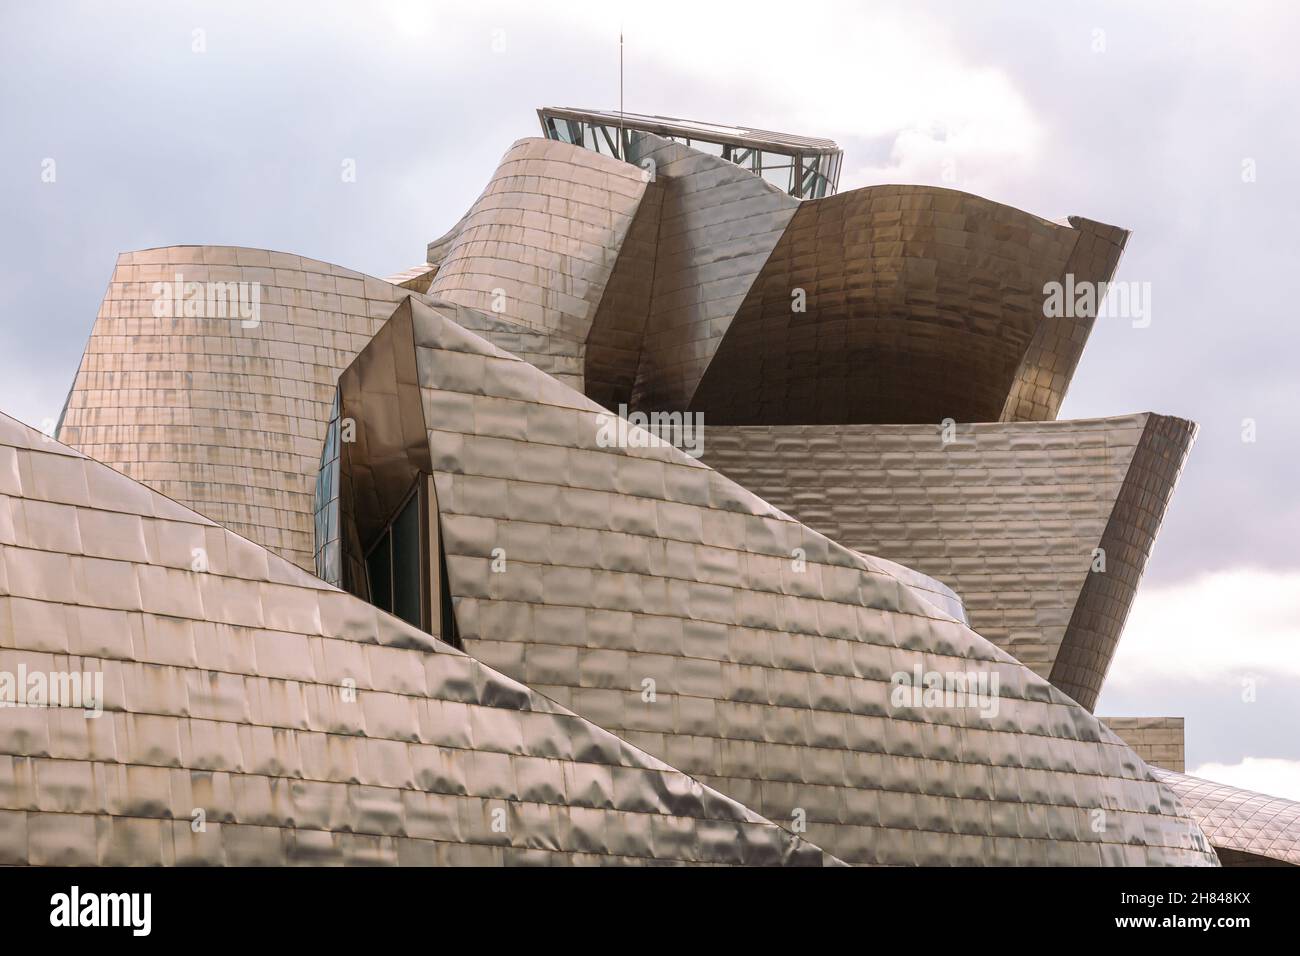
920, 304
255, 716
1246, 828
718, 225
613, 351
1097, 620
1007, 514
673, 281
671, 606
224, 417
545, 232
1045, 371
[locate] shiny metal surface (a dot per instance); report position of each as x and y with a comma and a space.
618, 566
255, 716
673, 276
229, 419
613, 351
1098, 617
556, 355
1244, 827
1010, 515
416, 279
718, 227
1159, 741
921, 304
1047, 366
225, 418
615, 602
538, 245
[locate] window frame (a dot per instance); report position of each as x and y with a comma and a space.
419, 491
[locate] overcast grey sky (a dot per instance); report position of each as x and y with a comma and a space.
1140, 114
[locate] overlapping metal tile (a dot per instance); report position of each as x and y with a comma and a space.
1010, 515
1246, 828
539, 244
253, 715
223, 413
696, 284
670, 605
898, 305
226, 414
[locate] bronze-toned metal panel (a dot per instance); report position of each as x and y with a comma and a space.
1098, 617
668, 604
1010, 515
1244, 827
221, 411
1048, 365
253, 715
539, 244
895, 304
718, 226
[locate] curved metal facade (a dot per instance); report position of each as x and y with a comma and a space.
671, 606
223, 413
918, 304
1097, 619
539, 244
1245, 828
253, 715
718, 226
665, 663
675, 275
1048, 365
1009, 515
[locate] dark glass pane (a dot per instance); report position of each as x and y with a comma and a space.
379, 567
406, 563
450, 633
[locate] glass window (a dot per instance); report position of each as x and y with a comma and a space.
379, 567
396, 565
407, 591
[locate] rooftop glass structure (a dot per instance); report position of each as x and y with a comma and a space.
805, 167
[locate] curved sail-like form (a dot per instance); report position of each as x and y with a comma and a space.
688, 282
718, 226
539, 244
1042, 528
904, 304
669, 605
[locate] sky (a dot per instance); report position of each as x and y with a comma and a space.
163, 123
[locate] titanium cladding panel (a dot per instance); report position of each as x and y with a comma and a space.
540, 243
1246, 828
772, 684
918, 304
1010, 515
307, 726
220, 413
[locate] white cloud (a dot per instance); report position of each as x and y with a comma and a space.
900, 75
1224, 624
1271, 775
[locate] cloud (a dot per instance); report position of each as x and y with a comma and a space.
1221, 650
1221, 625
1270, 775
